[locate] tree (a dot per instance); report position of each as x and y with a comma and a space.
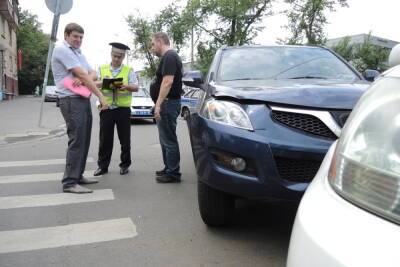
168, 20
345, 49
370, 56
234, 22
363, 56
214, 22
142, 30
307, 20
34, 45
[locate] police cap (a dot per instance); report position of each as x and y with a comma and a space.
119, 48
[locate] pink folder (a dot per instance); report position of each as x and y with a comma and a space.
81, 90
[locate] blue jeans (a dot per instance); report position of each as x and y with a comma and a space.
170, 110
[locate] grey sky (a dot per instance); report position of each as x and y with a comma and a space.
104, 22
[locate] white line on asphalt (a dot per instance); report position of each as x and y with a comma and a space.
35, 162
13, 202
42, 177
67, 235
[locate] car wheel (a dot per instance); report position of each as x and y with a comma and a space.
57, 102
185, 113
216, 207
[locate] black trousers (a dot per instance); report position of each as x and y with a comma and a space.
77, 114
108, 119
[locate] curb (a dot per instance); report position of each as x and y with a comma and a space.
29, 136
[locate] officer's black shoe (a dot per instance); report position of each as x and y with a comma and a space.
167, 179
123, 170
100, 171
161, 172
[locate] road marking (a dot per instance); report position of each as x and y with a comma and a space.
67, 235
13, 202
44, 177
36, 162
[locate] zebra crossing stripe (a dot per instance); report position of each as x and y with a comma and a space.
43, 177
29, 201
5, 164
66, 235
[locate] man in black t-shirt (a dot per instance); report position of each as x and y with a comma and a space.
166, 92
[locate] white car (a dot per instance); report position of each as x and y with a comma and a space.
51, 95
350, 214
142, 106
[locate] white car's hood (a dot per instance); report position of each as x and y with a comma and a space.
142, 101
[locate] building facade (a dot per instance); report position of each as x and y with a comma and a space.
360, 38
8, 49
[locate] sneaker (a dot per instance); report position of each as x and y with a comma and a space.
167, 179
85, 180
161, 172
77, 189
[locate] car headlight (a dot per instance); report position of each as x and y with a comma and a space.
365, 168
226, 112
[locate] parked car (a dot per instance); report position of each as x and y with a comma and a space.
350, 214
189, 102
51, 94
266, 119
142, 105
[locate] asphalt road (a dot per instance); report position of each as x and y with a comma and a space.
132, 220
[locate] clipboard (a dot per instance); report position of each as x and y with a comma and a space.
107, 82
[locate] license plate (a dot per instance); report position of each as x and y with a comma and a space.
142, 112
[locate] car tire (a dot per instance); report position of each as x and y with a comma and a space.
154, 121
185, 113
58, 102
216, 208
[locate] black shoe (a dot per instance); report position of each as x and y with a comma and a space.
100, 171
123, 170
161, 172
167, 179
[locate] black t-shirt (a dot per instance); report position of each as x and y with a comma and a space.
170, 64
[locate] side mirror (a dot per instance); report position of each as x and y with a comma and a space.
371, 75
193, 78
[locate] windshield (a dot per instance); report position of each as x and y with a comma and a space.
141, 93
282, 63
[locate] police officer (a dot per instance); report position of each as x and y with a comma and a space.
119, 111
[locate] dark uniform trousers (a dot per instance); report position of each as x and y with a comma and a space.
108, 119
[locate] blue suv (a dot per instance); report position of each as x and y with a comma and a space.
266, 118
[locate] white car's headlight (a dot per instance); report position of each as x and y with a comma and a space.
227, 113
366, 166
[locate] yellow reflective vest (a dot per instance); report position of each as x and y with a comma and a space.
123, 98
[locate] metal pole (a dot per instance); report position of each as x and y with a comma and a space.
53, 39
192, 40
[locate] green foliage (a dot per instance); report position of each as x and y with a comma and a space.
345, 49
306, 20
142, 30
34, 45
363, 56
234, 22
215, 22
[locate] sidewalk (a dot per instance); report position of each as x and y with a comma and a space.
19, 120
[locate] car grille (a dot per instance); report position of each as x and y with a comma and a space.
141, 107
297, 170
304, 122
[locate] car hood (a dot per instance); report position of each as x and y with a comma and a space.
318, 94
142, 101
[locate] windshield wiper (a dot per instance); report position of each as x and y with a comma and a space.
308, 77
242, 79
